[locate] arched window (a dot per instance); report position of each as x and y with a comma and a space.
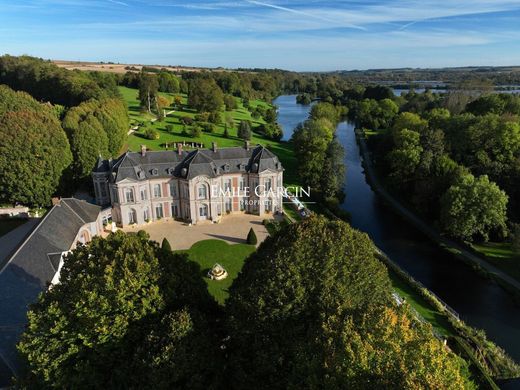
203, 211
132, 216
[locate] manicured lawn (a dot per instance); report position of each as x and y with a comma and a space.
502, 256
429, 313
208, 252
8, 224
283, 150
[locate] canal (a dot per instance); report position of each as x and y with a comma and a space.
480, 302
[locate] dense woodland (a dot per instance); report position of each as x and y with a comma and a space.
311, 308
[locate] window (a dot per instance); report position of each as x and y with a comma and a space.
242, 204
115, 196
132, 217
175, 210
229, 205
268, 205
203, 211
157, 190
173, 189
268, 184
103, 189
144, 195
129, 195
159, 211
203, 192
185, 191
242, 184
227, 185
146, 215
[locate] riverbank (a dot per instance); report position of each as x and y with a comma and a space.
479, 264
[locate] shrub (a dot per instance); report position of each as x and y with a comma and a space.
169, 128
195, 131
202, 117
251, 237
186, 120
151, 134
166, 245
208, 127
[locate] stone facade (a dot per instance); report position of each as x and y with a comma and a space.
201, 185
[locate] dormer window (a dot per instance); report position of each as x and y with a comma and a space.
155, 172
226, 168
242, 167
171, 171
140, 175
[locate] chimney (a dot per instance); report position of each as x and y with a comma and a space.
246, 145
214, 146
179, 149
143, 150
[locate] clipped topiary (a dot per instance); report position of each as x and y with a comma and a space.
251, 237
166, 245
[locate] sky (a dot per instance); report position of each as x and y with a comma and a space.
311, 35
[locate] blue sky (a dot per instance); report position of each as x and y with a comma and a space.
296, 35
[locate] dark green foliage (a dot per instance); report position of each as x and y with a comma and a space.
205, 95
311, 141
168, 82
195, 131
325, 110
47, 82
169, 128
166, 245
34, 150
271, 131
304, 98
148, 91
126, 313
333, 176
474, 208
95, 128
251, 237
314, 308
226, 131
230, 102
244, 130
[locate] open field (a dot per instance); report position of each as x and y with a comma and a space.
208, 252
120, 68
281, 148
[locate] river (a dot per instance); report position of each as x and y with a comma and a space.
480, 302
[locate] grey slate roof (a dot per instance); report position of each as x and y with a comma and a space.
206, 162
26, 272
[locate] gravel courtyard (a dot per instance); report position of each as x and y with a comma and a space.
232, 228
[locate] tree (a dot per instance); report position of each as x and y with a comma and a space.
474, 207
333, 176
148, 90
251, 237
126, 313
311, 140
87, 142
230, 102
168, 82
244, 130
314, 307
406, 156
205, 95
226, 131
34, 151
325, 110
196, 131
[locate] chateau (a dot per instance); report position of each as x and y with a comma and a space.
199, 185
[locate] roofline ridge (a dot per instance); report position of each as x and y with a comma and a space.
28, 238
77, 215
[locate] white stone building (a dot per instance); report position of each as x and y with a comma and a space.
200, 185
